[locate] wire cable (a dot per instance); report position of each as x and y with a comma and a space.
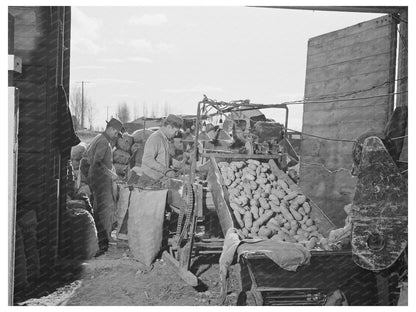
400, 137
323, 166
320, 137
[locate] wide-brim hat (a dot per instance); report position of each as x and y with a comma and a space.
116, 124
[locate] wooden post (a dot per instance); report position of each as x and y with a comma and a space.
402, 97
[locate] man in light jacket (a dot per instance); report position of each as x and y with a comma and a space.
157, 161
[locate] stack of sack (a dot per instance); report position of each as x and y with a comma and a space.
80, 166
122, 154
139, 138
77, 152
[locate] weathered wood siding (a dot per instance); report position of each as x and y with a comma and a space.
340, 65
38, 41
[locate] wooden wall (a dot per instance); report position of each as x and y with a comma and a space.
340, 65
38, 41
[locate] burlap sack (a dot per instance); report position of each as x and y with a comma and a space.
121, 169
121, 157
77, 151
82, 231
84, 189
121, 205
75, 164
141, 135
145, 224
135, 147
125, 142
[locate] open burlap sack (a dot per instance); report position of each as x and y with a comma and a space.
121, 157
145, 224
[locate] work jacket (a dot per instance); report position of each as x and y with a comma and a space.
100, 156
157, 156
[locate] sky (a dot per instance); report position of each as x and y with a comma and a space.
168, 57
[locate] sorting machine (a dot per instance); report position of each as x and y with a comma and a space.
366, 271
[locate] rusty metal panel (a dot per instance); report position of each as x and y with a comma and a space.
349, 73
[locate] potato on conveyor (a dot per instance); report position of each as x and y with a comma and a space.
264, 206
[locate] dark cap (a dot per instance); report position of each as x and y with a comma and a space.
174, 121
116, 124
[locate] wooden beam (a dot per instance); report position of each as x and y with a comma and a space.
359, 9
186, 275
402, 87
239, 156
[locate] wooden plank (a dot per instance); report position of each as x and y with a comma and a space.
238, 156
28, 31
364, 65
348, 53
355, 58
186, 275
351, 40
340, 130
32, 134
26, 43
402, 72
344, 115
215, 183
340, 86
332, 157
365, 27
330, 191
346, 103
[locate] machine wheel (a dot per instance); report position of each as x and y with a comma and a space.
188, 197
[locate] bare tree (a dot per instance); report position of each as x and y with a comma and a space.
154, 113
90, 114
135, 111
144, 109
123, 112
166, 109
76, 104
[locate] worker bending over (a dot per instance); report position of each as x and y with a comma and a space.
157, 161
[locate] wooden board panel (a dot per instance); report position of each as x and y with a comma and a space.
361, 66
362, 82
369, 28
33, 134
345, 53
348, 61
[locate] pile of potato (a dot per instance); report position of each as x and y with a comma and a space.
264, 206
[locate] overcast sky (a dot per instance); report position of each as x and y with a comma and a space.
158, 56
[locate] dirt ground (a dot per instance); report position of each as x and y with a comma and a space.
116, 279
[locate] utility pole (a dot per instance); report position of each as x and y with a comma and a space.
82, 101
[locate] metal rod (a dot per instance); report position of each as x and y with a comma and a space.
82, 104
193, 165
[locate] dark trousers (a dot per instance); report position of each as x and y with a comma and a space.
104, 207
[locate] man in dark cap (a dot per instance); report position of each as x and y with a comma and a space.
157, 161
100, 176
